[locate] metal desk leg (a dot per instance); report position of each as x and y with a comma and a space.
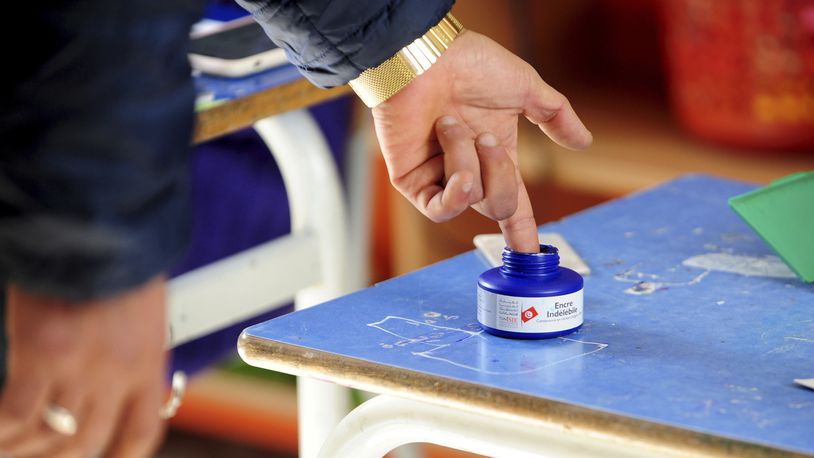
359, 187
386, 422
317, 210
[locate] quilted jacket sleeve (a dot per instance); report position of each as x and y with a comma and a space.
97, 116
94, 131
333, 41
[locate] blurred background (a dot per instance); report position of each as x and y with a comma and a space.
722, 87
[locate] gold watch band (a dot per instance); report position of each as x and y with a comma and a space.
377, 84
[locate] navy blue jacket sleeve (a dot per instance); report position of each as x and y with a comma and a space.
333, 41
96, 119
94, 131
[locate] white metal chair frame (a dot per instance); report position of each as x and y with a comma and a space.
308, 265
387, 422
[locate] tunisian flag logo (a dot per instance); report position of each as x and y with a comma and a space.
528, 314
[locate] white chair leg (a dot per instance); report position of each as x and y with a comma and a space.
315, 195
317, 209
386, 422
321, 406
358, 162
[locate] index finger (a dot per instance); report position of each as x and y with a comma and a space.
553, 114
520, 229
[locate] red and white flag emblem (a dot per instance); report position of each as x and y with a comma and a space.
528, 314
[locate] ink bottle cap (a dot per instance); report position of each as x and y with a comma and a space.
530, 296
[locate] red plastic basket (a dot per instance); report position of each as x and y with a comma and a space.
742, 71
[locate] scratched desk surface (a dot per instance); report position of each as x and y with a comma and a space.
691, 322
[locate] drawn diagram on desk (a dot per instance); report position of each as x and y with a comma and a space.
467, 347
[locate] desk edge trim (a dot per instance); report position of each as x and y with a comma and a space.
380, 378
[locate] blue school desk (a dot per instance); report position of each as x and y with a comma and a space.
694, 334
235, 103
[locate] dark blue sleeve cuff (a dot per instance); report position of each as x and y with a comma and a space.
332, 42
93, 146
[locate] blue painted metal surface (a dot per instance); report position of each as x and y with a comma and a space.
692, 347
223, 88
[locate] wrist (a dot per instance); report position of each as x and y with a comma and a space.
377, 84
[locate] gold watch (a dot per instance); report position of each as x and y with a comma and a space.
377, 84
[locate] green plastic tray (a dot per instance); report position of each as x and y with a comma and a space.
782, 213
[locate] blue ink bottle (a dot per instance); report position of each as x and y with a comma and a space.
530, 296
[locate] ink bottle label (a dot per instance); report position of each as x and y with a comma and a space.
530, 314
530, 296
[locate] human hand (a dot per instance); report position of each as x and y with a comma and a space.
449, 138
104, 361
